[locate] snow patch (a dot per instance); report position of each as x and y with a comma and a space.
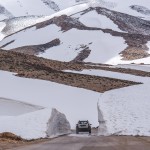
134, 66
92, 19
10, 107
102, 3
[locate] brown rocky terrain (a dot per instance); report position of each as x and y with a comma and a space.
34, 67
9, 59
85, 52
35, 49
9, 141
132, 53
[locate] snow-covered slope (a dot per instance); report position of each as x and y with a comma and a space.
16, 23
19, 8
46, 7
94, 31
126, 111
134, 7
72, 43
16, 15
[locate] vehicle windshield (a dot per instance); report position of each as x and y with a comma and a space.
83, 122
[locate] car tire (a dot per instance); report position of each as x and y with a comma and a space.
89, 130
77, 131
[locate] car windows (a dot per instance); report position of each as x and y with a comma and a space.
83, 122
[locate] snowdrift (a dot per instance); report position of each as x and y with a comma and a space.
126, 111
66, 99
39, 124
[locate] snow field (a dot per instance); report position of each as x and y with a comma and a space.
10, 107
68, 100
70, 41
92, 19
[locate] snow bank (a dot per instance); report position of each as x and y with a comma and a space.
102, 130
76, 103
58, 124
126, 111
36, 124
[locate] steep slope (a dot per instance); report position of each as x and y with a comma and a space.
16, 23
87, 34
47, 7
19, 8
135, 7
16, 15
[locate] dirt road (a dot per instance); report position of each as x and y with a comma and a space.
92, 143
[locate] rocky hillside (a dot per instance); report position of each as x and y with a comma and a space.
91, 31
